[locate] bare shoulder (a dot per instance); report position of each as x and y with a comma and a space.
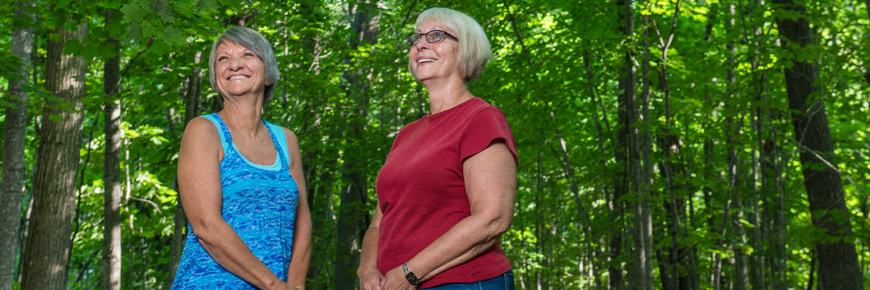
292, 148
292, 140
202, 135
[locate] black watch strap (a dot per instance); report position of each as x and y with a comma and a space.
410, 275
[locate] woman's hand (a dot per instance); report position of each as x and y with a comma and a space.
371, 281
395, 280
370, 277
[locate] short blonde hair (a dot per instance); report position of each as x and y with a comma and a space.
474, 49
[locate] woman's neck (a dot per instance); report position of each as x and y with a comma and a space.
242, 114
446, 95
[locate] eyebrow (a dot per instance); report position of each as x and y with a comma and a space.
433, 28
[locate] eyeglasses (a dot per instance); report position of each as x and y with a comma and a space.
433, 36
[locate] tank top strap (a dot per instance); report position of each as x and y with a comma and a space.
223, 131
280, 141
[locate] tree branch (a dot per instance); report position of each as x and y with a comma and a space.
408, 14
808, 150
519, 36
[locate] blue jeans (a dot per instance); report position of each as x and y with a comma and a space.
502, 282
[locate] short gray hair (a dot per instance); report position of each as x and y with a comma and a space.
254, 41
474, 49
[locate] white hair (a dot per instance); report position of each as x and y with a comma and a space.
474, 49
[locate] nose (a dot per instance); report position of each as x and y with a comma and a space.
235, 64
422, 44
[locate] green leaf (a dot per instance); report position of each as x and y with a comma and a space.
62, 4
173, 36
210, 6
133, 12
134, 32
149, 30
165, 11
72, 47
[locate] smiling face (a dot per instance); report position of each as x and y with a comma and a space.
238, 71
433, 61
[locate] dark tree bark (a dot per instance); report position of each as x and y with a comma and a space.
48, 242
642, 219
620, 184
838, 261
192, 109
112, 251
14, 133
867, 6
352, 221
733, 129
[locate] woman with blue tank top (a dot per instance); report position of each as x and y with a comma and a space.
240, 180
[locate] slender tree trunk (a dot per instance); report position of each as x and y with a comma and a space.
838, 261
352, 221
756, 264
47, 249
671, 145
709, 148
320, 214
643, 274
111, 275
867, 6
640, 208
646, 146
585, 225
14, 137
590, 82
620, 184
192, 109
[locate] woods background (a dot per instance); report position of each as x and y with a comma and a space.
663, 144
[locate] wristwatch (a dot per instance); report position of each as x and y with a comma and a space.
410, 275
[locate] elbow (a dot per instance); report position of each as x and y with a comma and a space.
203, 230
498, 226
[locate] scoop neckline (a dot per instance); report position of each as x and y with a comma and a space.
454, 108
276, 165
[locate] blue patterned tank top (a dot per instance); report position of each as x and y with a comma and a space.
259, 202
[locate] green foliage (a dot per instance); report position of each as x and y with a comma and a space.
541, 84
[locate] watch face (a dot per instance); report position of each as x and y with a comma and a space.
411, 278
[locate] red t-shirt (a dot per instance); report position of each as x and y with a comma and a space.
421, 188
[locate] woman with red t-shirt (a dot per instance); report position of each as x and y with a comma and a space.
446, 191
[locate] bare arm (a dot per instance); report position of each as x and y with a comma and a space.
370, 277
301, 253
200, 189
491, 185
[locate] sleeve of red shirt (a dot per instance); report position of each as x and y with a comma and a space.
489, 125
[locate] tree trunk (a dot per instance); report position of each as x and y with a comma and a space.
620, 184
867, 6
320, 214
643, 274
14, 133
352, 221
586, 224
733, 129
709, 148
191, 110
111, 275
48, 242
838, 261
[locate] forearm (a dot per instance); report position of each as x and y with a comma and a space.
464, 241
301, 253
369, 256
227, 249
